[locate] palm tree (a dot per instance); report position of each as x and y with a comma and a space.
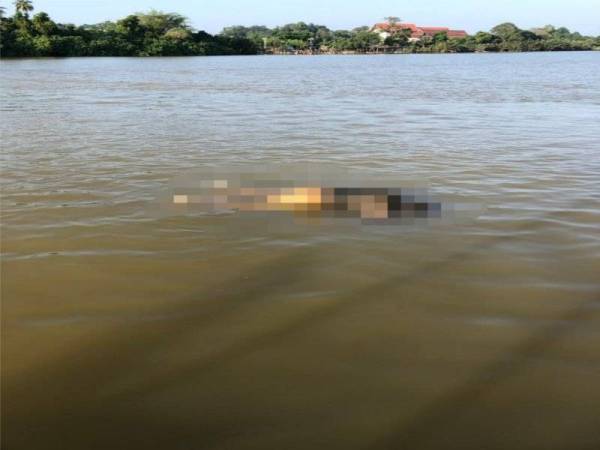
23, 7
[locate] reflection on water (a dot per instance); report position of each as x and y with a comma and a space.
123, 328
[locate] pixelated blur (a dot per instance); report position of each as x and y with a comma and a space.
306, 192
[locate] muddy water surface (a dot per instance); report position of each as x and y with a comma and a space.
126, 328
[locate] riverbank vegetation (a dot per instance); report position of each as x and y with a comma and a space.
142, 34
156, 33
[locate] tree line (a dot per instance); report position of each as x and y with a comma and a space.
156, 33
142, 34
505, 37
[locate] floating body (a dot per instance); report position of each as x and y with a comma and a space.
365, 203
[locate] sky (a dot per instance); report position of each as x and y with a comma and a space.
213, 15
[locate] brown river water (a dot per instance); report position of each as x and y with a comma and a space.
126, 326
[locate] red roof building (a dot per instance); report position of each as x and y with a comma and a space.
416, 32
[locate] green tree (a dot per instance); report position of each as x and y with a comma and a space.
68, 46
236, 31
562, 32
42, 45
487, 38
398, 39
440, 37
529, 35
23, 45
130, 27
158, 22
43, 25
178, 34
364, 40
294, 31
296, 44
505, 30
256, 34
342, 44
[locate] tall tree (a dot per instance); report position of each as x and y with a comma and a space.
505, 30
159, 22
23, 7
42, 24
392, 20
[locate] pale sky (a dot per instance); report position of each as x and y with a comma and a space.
213, 15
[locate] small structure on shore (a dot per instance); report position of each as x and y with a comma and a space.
414, 32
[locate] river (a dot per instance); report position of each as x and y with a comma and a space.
127, 327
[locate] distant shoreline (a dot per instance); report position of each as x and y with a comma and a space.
422, 53
157, 33
12, 58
